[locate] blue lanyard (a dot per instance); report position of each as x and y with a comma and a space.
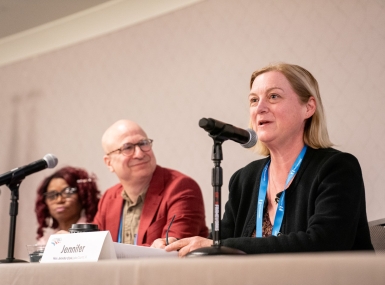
281, 204
121, 229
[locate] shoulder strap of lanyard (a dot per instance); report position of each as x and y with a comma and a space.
120, 227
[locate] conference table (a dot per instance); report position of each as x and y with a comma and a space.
310, 268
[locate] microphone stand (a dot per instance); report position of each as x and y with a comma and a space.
14, 185
216, 182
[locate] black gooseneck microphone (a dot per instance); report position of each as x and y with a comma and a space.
221, 132
13, 180
247, 138
48, 161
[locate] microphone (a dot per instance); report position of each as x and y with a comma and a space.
247, 138
48, 161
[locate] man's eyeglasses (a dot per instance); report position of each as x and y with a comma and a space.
129, 148
65, 193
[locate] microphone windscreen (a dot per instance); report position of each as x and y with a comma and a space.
51, 160
253, 139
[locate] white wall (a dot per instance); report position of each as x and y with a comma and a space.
169, 72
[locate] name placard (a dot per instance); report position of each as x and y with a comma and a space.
79, 247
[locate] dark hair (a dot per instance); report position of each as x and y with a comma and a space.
88, 194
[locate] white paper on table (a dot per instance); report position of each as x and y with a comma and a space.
134, 251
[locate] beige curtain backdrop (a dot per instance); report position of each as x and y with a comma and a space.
170, 71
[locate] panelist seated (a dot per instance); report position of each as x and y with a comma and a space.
140, 208
68, 196
304, 196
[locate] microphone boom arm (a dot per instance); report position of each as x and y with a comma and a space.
216, 182
17, 177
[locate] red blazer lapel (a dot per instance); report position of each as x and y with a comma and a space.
114, 213
151, 203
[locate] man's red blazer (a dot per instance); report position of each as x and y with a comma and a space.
170, 193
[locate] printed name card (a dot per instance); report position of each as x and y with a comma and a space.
79, 247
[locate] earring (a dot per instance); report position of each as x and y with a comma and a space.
49, 221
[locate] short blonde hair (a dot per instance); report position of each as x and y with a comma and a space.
305, 86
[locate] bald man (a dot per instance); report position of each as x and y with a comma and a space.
140, 208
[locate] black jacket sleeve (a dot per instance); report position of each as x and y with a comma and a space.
325, 207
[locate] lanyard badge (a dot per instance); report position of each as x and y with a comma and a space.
281, 204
